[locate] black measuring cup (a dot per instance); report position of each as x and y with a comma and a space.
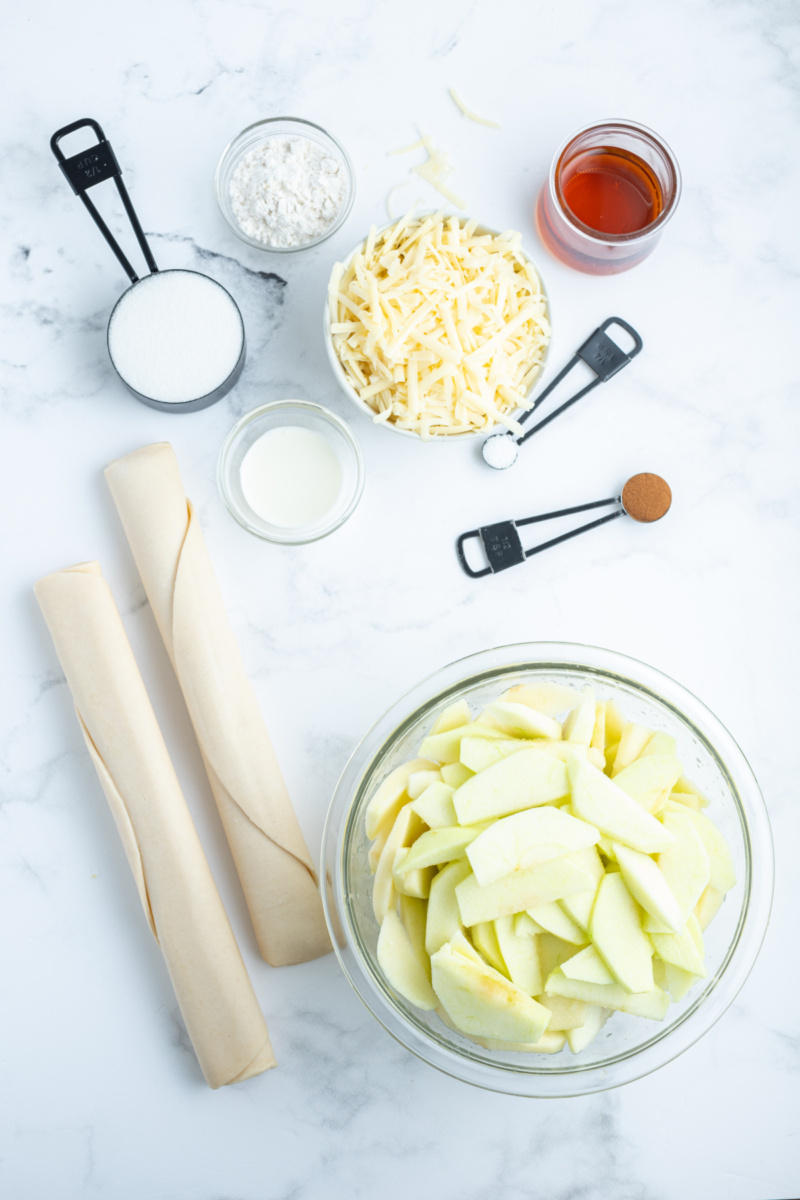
93, 166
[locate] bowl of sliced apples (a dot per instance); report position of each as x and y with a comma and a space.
550, 869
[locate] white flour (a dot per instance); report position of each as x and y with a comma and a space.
288, 191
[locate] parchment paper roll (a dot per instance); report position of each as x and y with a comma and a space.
275, 868
180, 900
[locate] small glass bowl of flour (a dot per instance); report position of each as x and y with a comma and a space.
284, 184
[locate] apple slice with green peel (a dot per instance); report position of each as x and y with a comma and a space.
649, 888
597, 800
526, 839
435, 806
594, 1021
520, 954
452, 717
616, 931
652, 1004
410, 883
587, 966
526, 779
414, 915
390, 797
521, 890
454, 774
553, 918
684, 864
579, 725
649, 779
524, 925
722, 875
444, 917
400, 964
483, 1003
404, 832
519, 720
437, 846
708, 906
548, 1043
632, 742
547, 698
420, 780
564, 1013
684, 950
484, 939
445, 747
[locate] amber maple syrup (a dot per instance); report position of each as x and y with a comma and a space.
611, 190
600, 192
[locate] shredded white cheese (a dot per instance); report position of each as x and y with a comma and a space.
436, 168
469, 113
440, 326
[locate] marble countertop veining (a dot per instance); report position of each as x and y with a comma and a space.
101, 1095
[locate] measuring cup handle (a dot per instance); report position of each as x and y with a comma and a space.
86, 170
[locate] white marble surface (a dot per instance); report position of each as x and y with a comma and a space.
100, 1094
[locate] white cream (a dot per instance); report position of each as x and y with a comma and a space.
291, 476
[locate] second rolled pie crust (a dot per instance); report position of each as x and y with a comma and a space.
272, 860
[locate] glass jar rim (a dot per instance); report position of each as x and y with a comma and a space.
595, 236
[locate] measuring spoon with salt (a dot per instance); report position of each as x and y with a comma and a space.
176, 337
599, 352
645, 498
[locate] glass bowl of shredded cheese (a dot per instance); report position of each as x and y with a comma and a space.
438, 326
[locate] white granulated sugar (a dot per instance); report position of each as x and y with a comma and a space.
175, 336
500, 451
288, 191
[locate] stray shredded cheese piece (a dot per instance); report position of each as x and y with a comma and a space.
436, 168
469, 113
440, 326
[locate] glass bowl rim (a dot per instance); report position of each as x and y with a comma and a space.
255, 414
352, 394
740, 955
230, 151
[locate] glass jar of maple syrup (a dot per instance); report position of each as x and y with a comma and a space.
611, 190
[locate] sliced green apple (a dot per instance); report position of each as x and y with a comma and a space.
452, 717
553, 918
520, 954
444, 917
579, 725
420, 780
406, 829
400, 964
454, 774
547, 698
708, 906
526, 779
483, 1003
684, 864
521, 890
616, 932
524, 925
648, 887
519, 720
632, 742
649, 779
587, 966
410, 883
390, 797
722, 875
446, 747
437, 846
548, 1043
684, 950
435, 806
652, 1004
414, 915
594, 1021
564, 1013
526, 839
598, 800
484, 939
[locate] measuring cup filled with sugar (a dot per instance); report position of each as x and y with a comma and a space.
175, 337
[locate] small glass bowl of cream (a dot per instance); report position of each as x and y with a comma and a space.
290, 472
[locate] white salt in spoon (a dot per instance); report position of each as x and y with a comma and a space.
175, 338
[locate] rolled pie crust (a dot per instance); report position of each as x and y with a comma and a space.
272, 860
179, 897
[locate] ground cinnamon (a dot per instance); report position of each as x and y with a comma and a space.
646, 497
